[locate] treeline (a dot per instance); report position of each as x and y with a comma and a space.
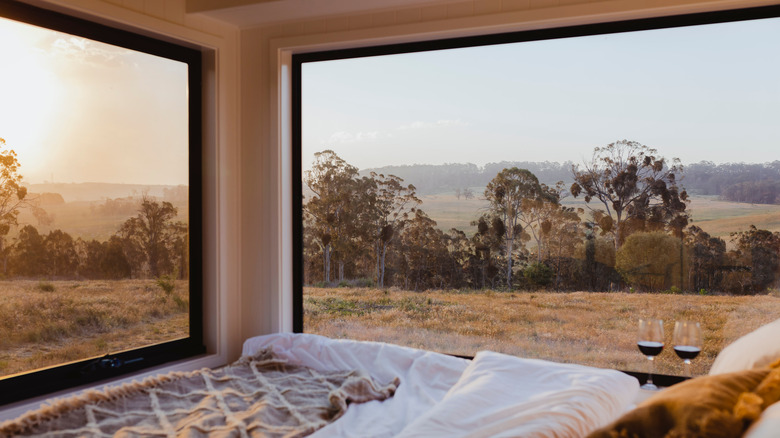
732, 181
147, 245
370, 229
737, 182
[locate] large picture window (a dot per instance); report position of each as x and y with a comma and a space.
100, 266
539, 193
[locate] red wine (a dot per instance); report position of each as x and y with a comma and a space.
686, 352
650, 348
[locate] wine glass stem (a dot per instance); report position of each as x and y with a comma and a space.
688, 367
652, 370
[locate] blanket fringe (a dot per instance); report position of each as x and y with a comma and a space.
55, 407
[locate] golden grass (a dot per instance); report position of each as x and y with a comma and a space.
597, 329
719, 218
450, 212
76, 320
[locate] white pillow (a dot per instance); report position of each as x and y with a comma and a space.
756, 349
504, 396
767, 425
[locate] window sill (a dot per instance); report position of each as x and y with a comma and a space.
14, 410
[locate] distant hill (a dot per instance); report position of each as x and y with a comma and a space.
757, 183
442, 178
79, 192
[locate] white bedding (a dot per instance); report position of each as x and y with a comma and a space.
441, 395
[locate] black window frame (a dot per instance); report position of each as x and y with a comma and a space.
612, 27
19, 387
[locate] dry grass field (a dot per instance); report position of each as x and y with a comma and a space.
53, 322
719, 218
597, 329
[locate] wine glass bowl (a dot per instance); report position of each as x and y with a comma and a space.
650, 340
687, 342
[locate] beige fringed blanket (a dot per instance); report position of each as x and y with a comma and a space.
256, 396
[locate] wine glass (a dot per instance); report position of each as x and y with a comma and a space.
687, 342
650, 342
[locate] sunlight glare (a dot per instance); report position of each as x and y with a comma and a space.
31, 96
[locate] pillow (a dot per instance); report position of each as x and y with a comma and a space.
754, 350
505, 396
767, 425
717, 406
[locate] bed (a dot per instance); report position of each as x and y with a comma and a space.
496, 395
406, 392
441, 395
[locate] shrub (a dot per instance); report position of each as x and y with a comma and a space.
166, 284
674, 290
182, 304
363, 282
538, 274
45, 287
356, 282
650, 260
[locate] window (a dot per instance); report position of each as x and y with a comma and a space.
457, 195
100, 202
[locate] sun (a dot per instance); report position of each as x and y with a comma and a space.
31, 96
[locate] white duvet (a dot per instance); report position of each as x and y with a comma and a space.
494, 395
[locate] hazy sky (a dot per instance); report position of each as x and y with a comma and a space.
697, 93
76, 110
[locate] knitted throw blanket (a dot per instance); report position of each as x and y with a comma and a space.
258, 396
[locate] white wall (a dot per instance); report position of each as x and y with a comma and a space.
247, 206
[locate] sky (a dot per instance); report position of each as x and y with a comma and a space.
76, 110
696, 93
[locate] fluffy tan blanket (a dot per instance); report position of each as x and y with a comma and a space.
258, 396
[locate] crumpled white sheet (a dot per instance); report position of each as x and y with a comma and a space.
445, 396
425, 378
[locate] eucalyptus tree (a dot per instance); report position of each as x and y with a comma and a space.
12, 196
506, 193
332, 182
422, 254
28, 254
760, 250
708, 257
638, 189
538, 212
387, 208
151, 236
485, 247
61, 255
103, 260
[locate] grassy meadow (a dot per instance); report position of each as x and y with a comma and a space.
719, 218
45, 323
597, 329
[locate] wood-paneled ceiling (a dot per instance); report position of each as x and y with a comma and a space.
249, 13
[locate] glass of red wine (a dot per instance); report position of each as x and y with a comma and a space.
650, 341
687, 342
